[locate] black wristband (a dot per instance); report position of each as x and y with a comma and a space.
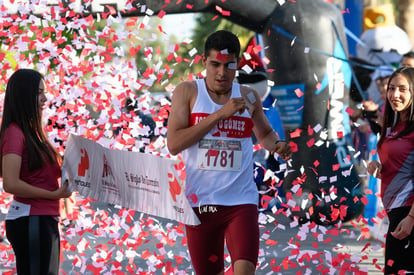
279, 140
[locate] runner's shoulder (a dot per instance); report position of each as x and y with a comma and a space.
186, 88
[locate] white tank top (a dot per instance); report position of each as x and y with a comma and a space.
219, 168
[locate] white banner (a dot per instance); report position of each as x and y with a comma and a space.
139, 181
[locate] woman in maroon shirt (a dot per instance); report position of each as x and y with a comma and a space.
396, 171
30, 168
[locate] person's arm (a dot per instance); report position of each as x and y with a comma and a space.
374, 168
14, 185
405, 226
179, 134
374, 115
262, 128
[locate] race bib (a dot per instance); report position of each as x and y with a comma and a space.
217, 154
18, 210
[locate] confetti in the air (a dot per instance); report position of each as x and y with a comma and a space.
110, 79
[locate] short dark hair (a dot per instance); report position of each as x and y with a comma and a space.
222, 40
410, 54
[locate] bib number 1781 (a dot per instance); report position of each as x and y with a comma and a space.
219, 155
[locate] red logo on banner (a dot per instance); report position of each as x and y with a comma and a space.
84, 163
175, 188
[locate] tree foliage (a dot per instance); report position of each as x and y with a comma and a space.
181, 60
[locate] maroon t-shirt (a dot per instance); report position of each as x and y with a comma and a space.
14, 142
397, 174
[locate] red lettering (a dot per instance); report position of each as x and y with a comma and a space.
84, 163
237, 127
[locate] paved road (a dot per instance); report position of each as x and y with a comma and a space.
110, 240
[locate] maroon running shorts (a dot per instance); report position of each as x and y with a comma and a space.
236, 225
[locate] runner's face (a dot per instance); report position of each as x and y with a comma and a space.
220, 71
399, 96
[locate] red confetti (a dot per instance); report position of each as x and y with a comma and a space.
161, 14
318, 86
295, 133
299, 93
349, 111
390, 262
221, 57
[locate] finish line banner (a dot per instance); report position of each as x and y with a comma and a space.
139, 181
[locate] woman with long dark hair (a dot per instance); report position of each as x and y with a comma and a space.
396, 170
30, 167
